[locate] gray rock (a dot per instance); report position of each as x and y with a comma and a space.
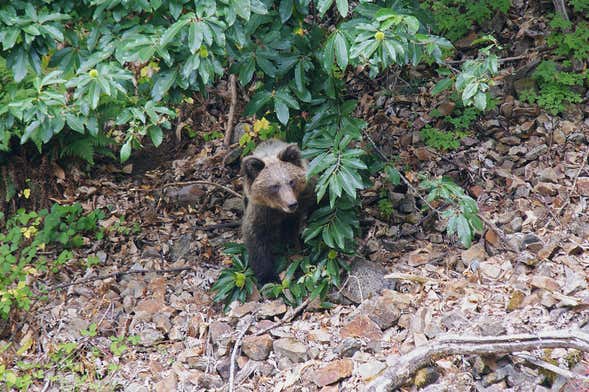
291, 349
365, 280
348, 347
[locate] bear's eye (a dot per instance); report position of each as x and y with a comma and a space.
292, 183
274, 188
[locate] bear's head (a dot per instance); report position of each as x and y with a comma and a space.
276, 182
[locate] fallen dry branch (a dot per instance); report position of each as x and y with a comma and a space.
230, 117
405, 366
118, 275
247, 323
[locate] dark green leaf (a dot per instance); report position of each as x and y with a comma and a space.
442, 85
258, 101
341, 50
285, 10
342, 7
281, 110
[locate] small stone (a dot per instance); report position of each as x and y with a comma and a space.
516, 224
150, 336
361, 326
382, 310
548, 174
547, 188
573, 281
583, 186
548, 251
291, 349
425, 376
320, 335
423, 154
167, 384
476, 252
335, 371
492, 328
545, 282
219, 330
233, 204
515, 300
369, 370
223, 368
272, 308
257, 347
162, 322
348, 347
490, 270
536, 152
240, 310
532, 243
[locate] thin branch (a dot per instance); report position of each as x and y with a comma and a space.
118, 275
201, 182
550, 367
499, 232
248, 323
230, 117
404, 366
572, 188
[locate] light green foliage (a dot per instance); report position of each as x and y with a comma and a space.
462, 213
236, 282
442, 140
474, 79
580, 5
23, 237
569, 40
454, 18
459, 124
556, 88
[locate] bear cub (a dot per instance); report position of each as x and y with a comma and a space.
277, 200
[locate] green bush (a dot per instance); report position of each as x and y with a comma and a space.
454, 18
24, 235
556, 88
569, 42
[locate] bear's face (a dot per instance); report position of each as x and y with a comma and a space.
276, 182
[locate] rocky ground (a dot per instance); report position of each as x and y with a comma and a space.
528, 275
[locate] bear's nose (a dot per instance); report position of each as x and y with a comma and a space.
293, 206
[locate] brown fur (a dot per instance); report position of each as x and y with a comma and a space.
277, 200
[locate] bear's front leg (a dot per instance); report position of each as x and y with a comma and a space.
261, 259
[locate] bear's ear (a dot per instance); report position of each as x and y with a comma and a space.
291, 154
251, 167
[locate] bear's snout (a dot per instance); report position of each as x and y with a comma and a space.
292, 207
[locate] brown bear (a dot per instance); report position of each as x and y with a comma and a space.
277, 200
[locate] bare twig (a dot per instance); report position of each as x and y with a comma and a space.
561, 8
247, 325
203, 182
499, 232
117, 275
404, 366
184, 183
229, 126
502, 60
287, 317
572, 189
550, 367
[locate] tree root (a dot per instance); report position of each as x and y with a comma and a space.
405, 366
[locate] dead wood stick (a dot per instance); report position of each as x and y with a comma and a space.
561, 9
229, 126
117, 275
572, 189
203, 182
247, 325
403, 367
550, 367
287, 317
